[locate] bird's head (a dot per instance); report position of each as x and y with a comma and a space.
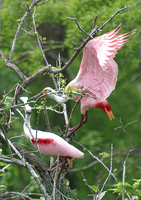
58, 96
48, 91
105, 106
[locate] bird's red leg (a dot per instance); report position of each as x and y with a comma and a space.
62, 165
86, 117
63, 162
82, 121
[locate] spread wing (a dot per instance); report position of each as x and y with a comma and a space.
98, 71
106, 46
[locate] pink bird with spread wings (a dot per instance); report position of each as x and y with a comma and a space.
97, 74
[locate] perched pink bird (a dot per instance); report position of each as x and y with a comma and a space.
49, 143
97, 74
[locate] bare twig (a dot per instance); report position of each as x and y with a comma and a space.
30, 79
123, 176
39, 4
80, 26
95, 162
47, 119
118, 11
124, 129
94, 24
37, 35
55, 180
41, 49
110, 171
21, 193
20, 26
97, 159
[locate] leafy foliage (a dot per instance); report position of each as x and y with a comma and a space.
59, 35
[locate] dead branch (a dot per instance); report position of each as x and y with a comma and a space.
41, 49
123, 176
13, 67
124, 129
95, 157
110, 171
80, 26
117, 12
28, 9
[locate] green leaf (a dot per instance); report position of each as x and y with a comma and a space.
136, 185
94, 188
137, 180
139, 192
75, 89
104, 154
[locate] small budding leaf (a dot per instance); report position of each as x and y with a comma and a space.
75, 89
7, 107
94, 188
136, 185
104, 154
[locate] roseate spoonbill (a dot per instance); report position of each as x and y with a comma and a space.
49, 143
97, 74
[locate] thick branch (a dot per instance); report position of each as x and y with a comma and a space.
28, 81
13, 67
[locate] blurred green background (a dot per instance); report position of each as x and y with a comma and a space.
61, 35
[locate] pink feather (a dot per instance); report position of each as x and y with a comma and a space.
98, 71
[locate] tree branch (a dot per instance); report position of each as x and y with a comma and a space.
47, 68
20, 26
118, 11
13, 67
92, 34
110, 171
123, 175
97, 159
27, 160
41, 49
